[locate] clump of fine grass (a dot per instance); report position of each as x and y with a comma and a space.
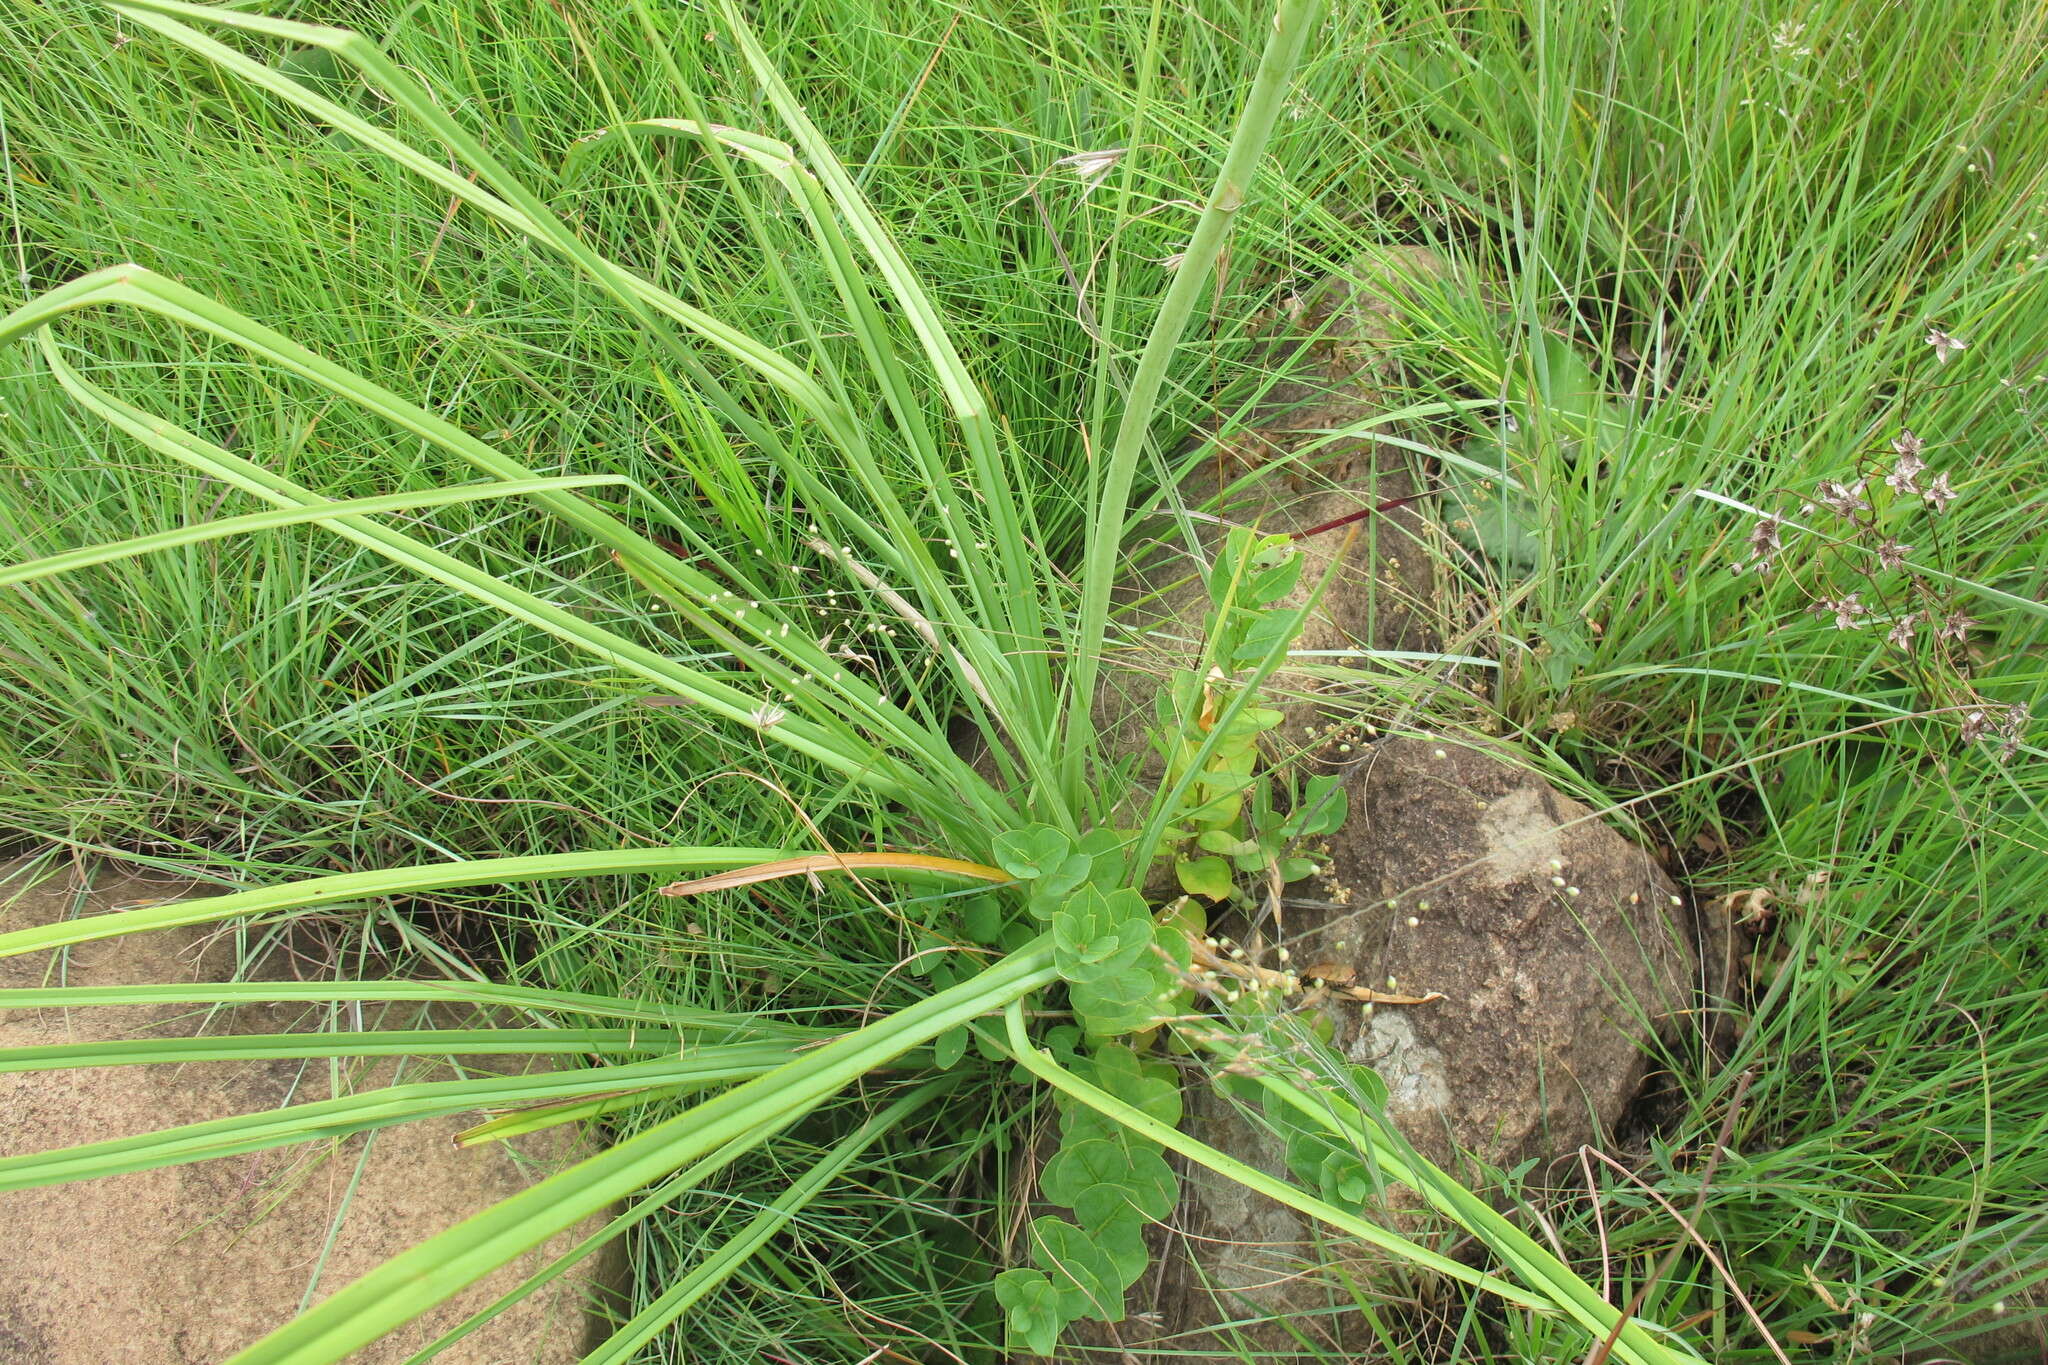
1766, 237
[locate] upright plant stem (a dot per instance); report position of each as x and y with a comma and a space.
1291, 24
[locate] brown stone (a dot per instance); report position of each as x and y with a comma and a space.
1561, 958
191, 1263
1559, 946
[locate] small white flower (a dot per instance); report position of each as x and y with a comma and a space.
1764, 541
1944, 345
1844, 499
1785, 38
1090, 168
767, 716
1938, 494
1903, 473
1845, 610
1956, 626
2013, 727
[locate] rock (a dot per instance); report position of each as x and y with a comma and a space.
1552, 994
1561, 949
191, 1263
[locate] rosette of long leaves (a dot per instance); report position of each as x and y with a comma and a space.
913, 442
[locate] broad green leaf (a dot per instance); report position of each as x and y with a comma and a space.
1228, 567
1047, 892
1332, 1171
1105, 1182
1149, 1086
928, 950
1087, 1270
1294, 869
982, 919
1370, 1086
1036, 1313
1345, 1179
1566, 385
1121, 1003
1208, 877
1123, 1245
1273, 581
1032, 851
1322, 809
1225, 842
1108, 852
1269, 635
1096, 933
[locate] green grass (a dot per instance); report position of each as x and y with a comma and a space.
1747, 239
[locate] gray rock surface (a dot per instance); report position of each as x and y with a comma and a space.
191, 1263
1560, 955
1560, 948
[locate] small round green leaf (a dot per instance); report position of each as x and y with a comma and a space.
1032, 851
